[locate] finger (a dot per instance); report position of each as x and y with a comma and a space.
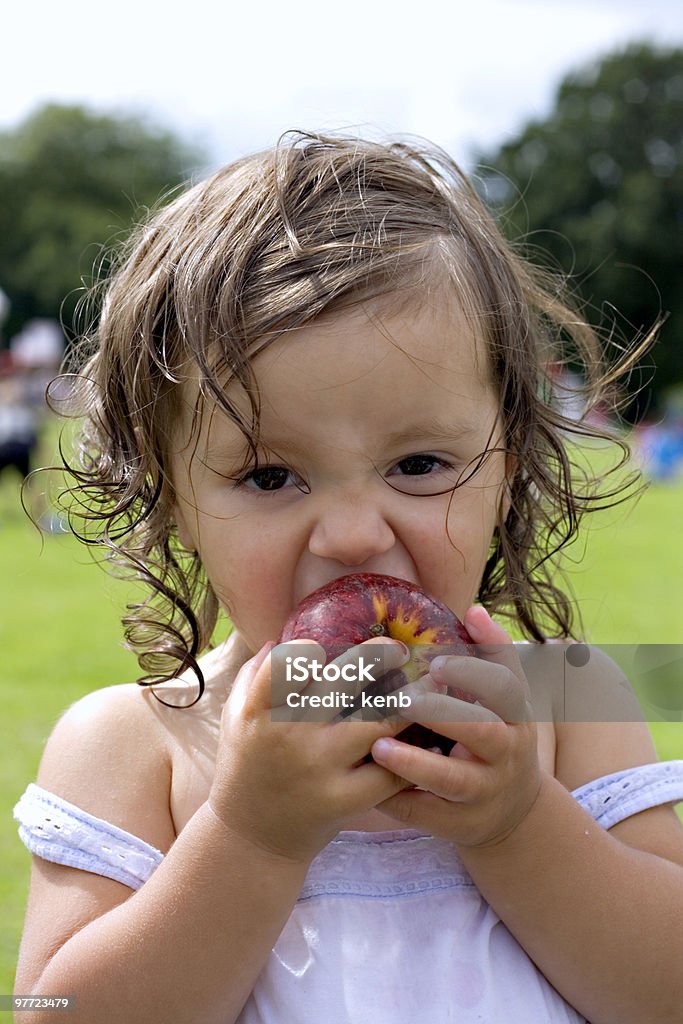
436, 709
493, 644
493, 685
446, 777
376, 658
334, 691
384, 706
244, 688
473, 726
355, 737
292, 664
372, 783
318, 692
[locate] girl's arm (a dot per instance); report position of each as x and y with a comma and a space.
189, 944
601, 918
598, 911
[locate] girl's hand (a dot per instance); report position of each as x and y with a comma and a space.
289, 786
486, 786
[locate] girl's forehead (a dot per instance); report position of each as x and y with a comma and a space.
378, 362
432, 331
379, 350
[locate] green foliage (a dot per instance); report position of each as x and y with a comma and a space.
598, 185
72, 180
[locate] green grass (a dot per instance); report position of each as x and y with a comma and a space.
61, 639
627, 569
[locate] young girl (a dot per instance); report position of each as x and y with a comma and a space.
324, 360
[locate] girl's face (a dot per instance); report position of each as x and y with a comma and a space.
368, 419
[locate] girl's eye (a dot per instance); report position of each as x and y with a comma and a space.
420, 465
424, 474
270, 478
267, 478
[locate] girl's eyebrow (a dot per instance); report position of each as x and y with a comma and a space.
432, 430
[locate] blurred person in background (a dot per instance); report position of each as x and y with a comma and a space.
25, 371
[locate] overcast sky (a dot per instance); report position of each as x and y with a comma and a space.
234, 76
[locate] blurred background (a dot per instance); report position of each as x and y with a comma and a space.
568, 113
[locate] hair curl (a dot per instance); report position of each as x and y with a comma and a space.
264, 246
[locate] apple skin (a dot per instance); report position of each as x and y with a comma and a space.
357, 607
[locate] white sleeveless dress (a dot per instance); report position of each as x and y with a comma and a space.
388, 928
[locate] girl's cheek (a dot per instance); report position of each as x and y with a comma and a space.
185, 536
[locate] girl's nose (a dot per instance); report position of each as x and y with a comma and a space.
350, 532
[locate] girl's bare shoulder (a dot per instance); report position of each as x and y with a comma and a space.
598, 723
108, 754
123, 753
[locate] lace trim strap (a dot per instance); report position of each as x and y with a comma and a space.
613, 798
58, 831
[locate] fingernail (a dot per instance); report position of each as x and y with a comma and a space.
262, 654
405, 650
437, 664
422, 686
381, 749
475, 627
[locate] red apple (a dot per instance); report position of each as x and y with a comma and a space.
360, 606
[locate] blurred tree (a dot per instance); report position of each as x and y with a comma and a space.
598, 186
72, 180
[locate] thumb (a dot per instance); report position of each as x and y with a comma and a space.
492, 642
242, 688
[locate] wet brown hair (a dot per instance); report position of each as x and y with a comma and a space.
269, 243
